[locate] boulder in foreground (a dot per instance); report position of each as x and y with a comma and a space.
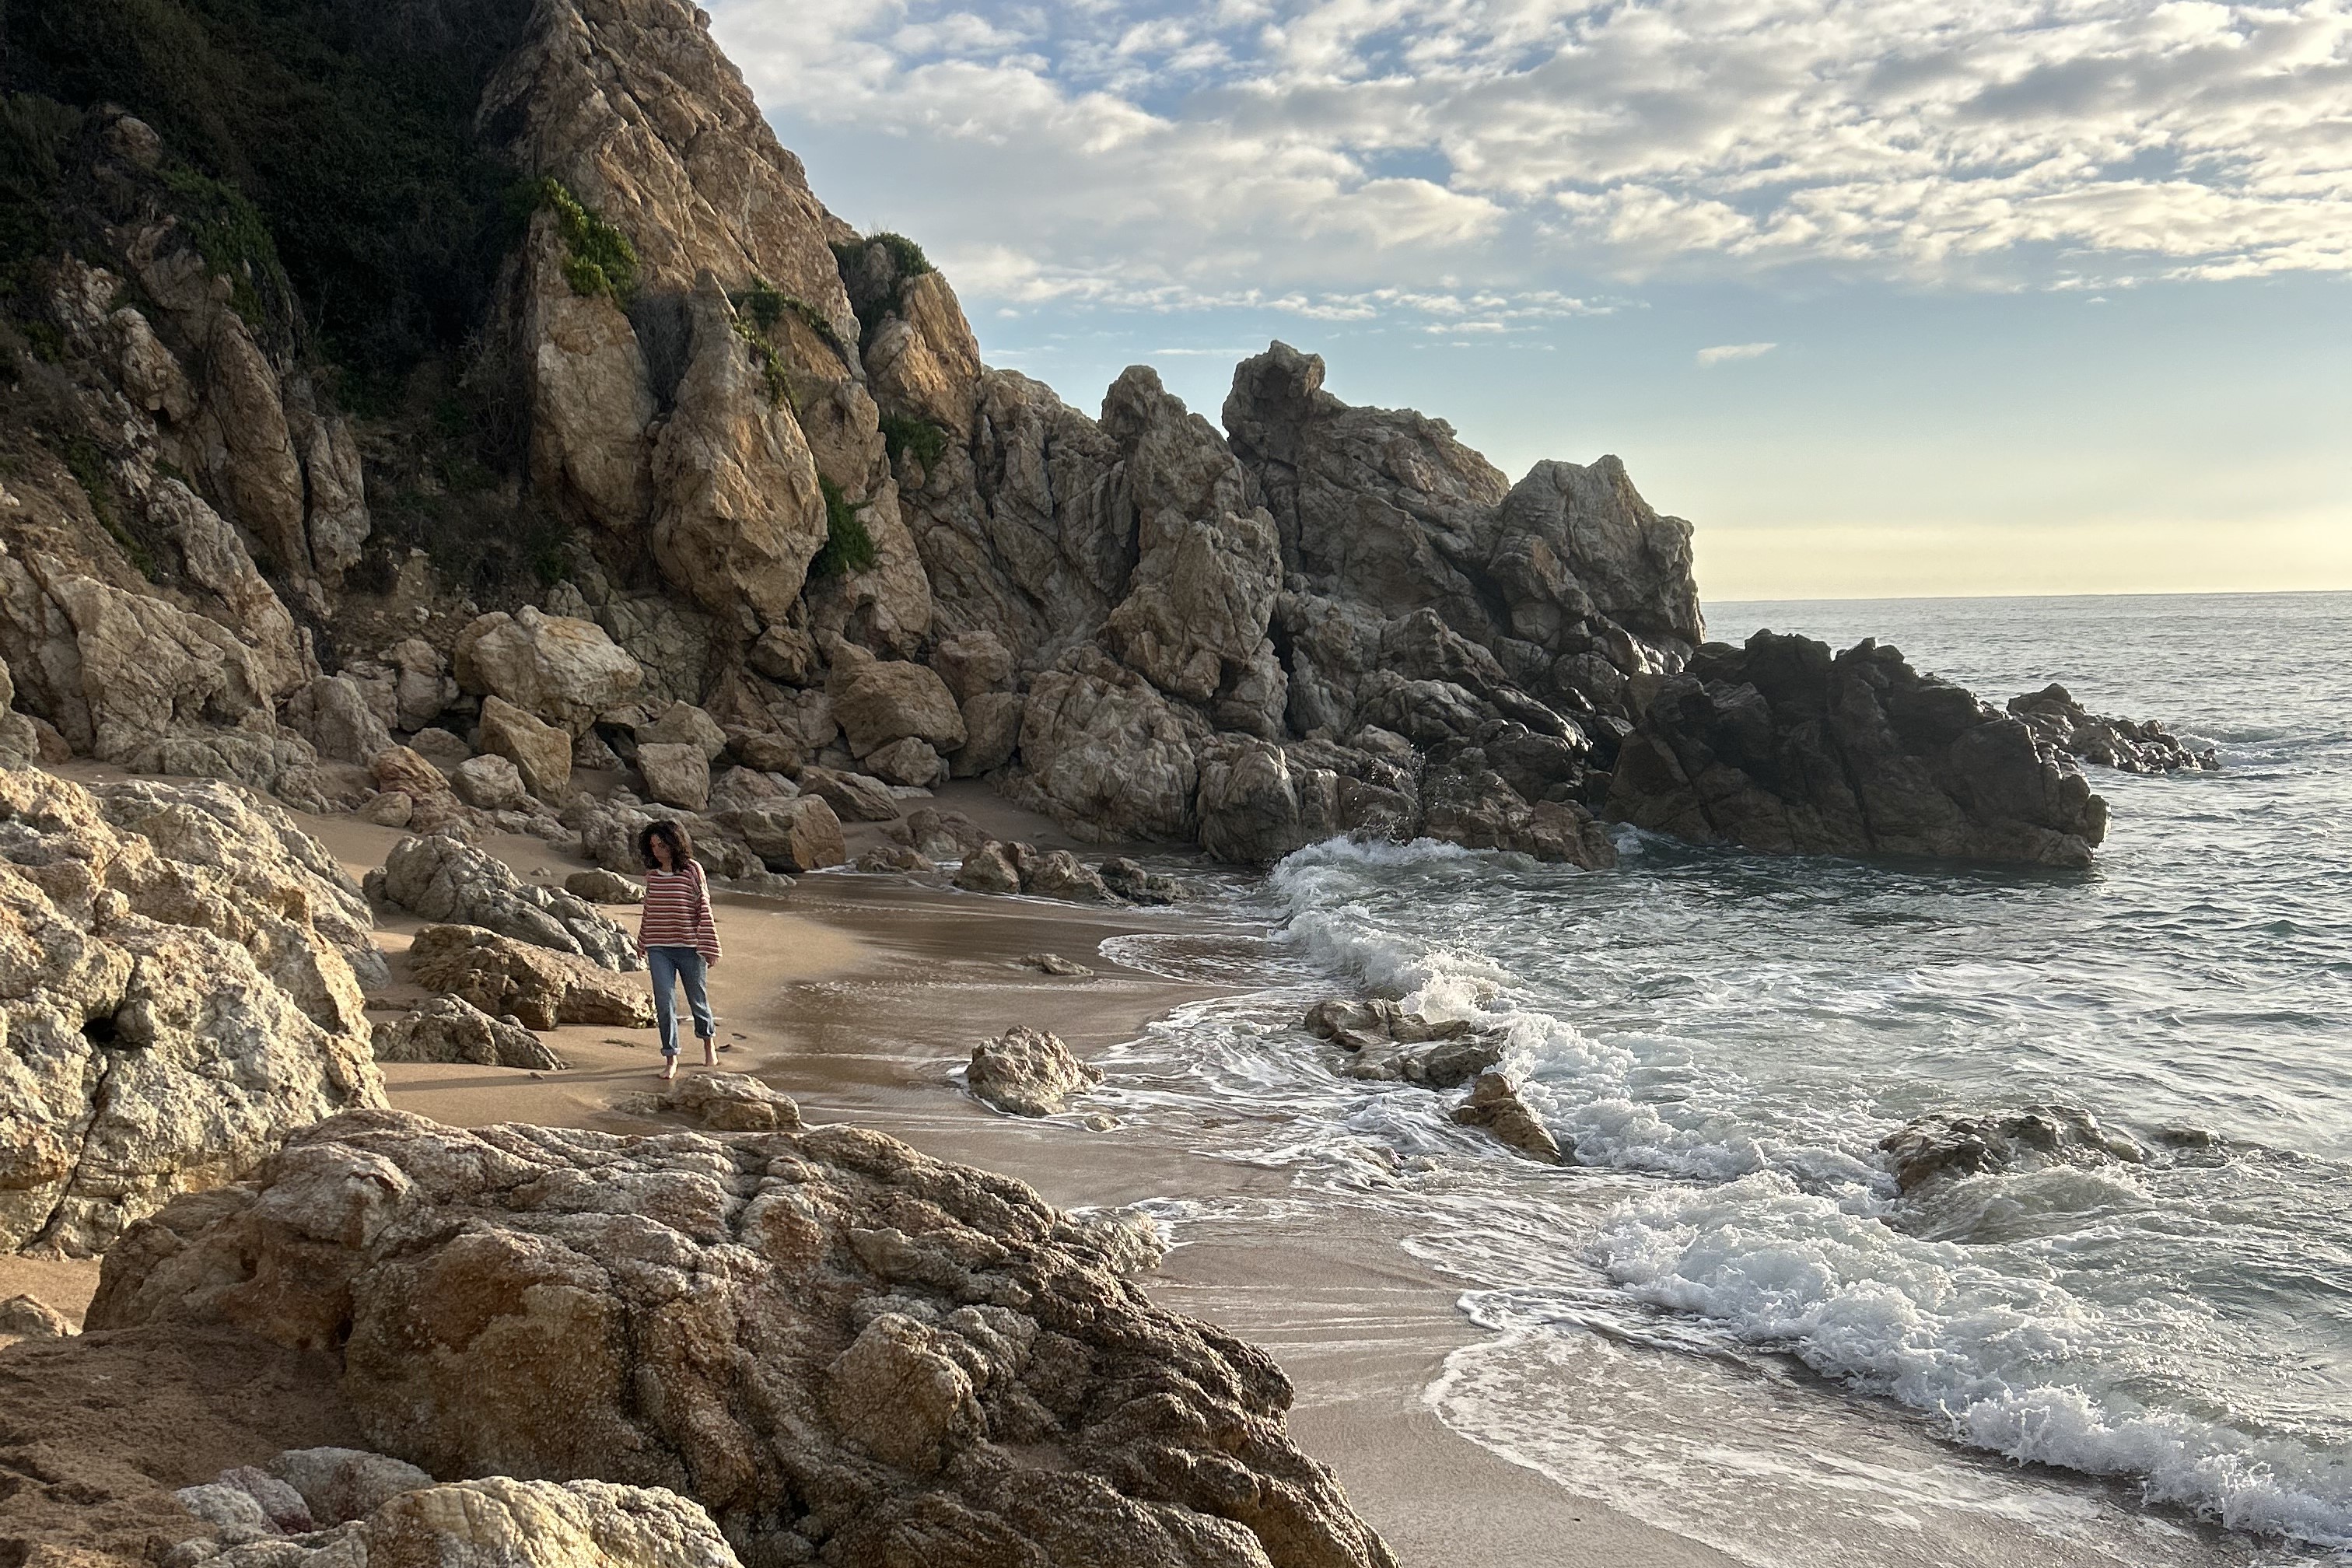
178, 993
495, 1523
835, 1344
1785, 748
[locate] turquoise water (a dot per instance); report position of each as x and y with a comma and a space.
1727, 1037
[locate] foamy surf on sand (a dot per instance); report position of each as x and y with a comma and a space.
1728, 1315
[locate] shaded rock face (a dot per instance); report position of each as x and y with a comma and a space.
179, 996
2141, 746
829, 1341
450, 1029
1785, 748
441, 879
543, 989
1028, 1072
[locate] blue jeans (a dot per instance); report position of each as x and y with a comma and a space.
669, 965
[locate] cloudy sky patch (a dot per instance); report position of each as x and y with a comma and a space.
1392, 179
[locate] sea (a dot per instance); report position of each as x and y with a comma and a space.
1725, 1319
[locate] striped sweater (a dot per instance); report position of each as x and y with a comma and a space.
677, 912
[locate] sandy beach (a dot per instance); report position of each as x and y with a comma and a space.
859, 995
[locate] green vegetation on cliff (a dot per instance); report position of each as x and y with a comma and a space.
848, 547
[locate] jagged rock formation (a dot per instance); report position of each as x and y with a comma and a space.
1785, 748
830, 1341
752, 462
2141, 746
453, 883
451, 1030
180, 994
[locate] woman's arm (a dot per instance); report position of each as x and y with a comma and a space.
706, 924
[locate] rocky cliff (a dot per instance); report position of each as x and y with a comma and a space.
698, 443
845, 1351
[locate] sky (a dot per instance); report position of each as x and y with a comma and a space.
1887, 298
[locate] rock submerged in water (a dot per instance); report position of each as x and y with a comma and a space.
1494, 1103
831, 1342
1028, 1072
1783, 747
2134, 747
1387, 1043
2032, 1137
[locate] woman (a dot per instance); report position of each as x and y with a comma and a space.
677, 937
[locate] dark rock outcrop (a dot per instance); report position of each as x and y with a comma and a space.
2132, 746
1783, 747
2032, 1137
825, 1339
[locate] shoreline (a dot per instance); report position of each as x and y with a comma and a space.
860, 995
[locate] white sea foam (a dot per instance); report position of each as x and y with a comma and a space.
2014, 1316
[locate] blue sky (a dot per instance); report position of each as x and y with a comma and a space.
1888, 297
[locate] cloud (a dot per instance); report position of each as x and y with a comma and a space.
1710, 357
1164, 156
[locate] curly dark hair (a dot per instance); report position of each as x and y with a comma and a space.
681, 847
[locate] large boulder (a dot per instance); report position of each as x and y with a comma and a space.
130, 679
890, 700
559, 668
176, 997
676, 773
543, 989
541, 752
489, 782
1782, 747
1028, 1072
1108, 755
335, 716
855, 798
821, 1336
494, 1522
441, 879
797, 834
738, 511
1478, 809
1256, 807
451, 1030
